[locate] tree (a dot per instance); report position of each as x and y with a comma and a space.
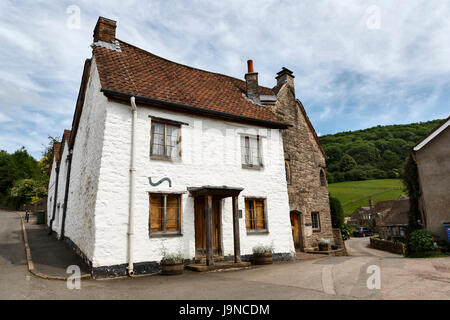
410, 179
336, 211
347, 163
24, 190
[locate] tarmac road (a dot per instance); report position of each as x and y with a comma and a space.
322, 278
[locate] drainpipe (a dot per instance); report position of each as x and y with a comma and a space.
54, 201
66, 195
130, 233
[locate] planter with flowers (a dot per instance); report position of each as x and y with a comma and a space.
262, 254
172, 263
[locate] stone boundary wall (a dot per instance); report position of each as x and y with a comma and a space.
386, 245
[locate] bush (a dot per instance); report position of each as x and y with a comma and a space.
337, 213
420, 242
261, 250
346, 231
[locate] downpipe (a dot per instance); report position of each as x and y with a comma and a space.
130, 234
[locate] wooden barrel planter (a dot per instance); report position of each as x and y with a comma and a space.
260, 259
324, 246
171, 268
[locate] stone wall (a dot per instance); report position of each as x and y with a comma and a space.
386, 245
306, 160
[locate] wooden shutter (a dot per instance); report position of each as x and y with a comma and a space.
172, 212
249, 214
259, 214
156, 213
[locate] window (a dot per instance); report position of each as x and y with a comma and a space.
165, 140
251, 151
315, 219
322, 178
165, 213
255, 214
287, 171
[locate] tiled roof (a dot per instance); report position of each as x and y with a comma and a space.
135, 71
398, 214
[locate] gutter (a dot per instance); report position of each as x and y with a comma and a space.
195, 110
54, 201
66, 194
130, 233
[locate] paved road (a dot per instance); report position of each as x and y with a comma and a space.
323, 278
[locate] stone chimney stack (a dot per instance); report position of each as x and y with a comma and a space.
252, 82
285, 76
371, 202
105, 30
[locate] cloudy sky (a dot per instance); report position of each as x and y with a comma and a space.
357, 63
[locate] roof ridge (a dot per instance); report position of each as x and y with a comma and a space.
189, 67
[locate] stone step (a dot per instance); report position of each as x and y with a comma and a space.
202, 267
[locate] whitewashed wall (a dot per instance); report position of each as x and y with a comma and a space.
86, 158
51, 192
210, 156
57, 223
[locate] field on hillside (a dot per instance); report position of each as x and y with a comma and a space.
354, 194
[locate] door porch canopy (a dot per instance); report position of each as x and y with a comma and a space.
222, 192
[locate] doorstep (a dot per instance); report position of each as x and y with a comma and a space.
202, 267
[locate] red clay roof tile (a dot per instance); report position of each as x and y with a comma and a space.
141, 73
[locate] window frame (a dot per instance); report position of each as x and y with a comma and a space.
258, 138
265, 216
164, 156
322, 177
315, 229
165, 233
287, 168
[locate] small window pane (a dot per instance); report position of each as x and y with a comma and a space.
156, 213
315, 221
157, 139
251, 153
172, 213
172, 141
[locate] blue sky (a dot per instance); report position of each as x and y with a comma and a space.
356, 63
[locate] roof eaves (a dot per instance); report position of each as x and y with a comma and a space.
433, 134
195, 110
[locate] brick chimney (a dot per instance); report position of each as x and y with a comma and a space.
285, 76
371, 202
105, 30
251, 78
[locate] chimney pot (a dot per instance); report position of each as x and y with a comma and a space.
105, 30
250, 66
251, 78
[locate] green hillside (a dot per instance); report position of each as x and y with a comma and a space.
374, 153
354, 194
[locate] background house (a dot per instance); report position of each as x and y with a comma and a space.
432, 156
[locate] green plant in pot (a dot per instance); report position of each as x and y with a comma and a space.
262, 254
324, 244
172, 263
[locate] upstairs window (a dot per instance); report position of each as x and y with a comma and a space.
255, 214
251, 151
165, 213
323, 182
165, 141
315, 221
287, 171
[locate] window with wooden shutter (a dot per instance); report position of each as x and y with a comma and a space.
255, 214
165, 140
165, 213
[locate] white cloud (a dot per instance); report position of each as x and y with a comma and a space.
344, 71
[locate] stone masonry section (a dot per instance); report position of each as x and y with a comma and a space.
306, 159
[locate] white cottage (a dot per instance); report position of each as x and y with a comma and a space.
165, 157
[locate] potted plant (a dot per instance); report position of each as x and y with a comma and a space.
172, 263
324, 244
262, 254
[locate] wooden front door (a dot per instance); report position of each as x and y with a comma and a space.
296, 230
200, 226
